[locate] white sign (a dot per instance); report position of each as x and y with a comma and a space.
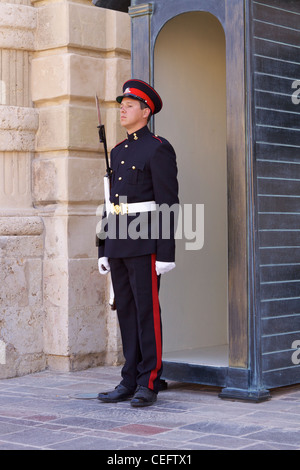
2, 92
2, 353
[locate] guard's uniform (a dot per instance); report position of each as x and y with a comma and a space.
143, 169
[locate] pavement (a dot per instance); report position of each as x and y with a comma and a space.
46, 411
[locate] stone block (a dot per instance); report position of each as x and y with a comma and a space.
52, 30
83, 133
21, 313
16, 118
50, 77
13, 284
81, 236
58, 363
76, 305
50, 180
114, 353
85, 179
87, 76
56, 240
64, 75
21, 247
17, 27
70, 236
18, 127
70, 179
56, 332
118, 70
55, 283
15, 192
87, 331
85, 287
21, 226
22, 329
118, 29
53, 128
87, 27
17, 16
16, 140
17, 365
68, 127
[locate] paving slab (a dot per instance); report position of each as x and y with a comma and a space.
59, 411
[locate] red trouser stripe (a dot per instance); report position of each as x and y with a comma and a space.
157, 324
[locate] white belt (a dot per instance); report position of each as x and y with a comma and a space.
133, 208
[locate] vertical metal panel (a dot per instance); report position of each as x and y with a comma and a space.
237, 204
140, 43
276, 59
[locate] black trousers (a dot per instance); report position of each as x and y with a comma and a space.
136, 287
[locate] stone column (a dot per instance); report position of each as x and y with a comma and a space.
81, 50
21, 230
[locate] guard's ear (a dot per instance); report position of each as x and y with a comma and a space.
146, 113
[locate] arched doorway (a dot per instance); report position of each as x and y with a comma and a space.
190, 74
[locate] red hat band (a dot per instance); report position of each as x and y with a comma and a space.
142, 95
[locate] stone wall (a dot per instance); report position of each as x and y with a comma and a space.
54, 58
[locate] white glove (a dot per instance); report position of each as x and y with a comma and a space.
103, 265
163, 267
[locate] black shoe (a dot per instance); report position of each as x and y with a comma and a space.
120, 393
143, 397
163, 385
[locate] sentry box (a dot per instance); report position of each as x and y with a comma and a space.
229, 75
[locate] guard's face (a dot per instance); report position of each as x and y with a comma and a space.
132, 117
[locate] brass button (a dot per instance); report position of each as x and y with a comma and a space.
126, 146
116, 195
122, 162
120, 177
133, 167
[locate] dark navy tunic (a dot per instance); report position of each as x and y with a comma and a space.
143, 169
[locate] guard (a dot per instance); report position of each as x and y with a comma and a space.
135, 249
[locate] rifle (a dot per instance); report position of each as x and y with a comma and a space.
102, 139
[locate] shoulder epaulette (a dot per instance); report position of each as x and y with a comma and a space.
117, 145
157, 138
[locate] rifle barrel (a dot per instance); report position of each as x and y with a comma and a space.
102, 136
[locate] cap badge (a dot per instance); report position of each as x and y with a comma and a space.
127, 90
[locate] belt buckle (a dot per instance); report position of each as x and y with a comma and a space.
119, 209
116, 209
